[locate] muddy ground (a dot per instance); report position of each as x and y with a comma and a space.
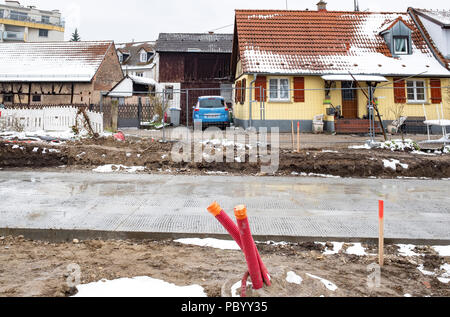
156, 158
37, 268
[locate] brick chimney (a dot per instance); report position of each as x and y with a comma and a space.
322, 6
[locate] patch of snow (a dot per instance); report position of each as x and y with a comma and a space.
360, 147
110, 168
442, 250
329, 151
407, 250
425, 272
236, 286
356, 249
444, 280
274, 243
211, 243
128, 154
217, 173
400, 145
422, 153
314, 175
337, 246
332, 287
407, 295
294, 278
446, 149
138, 287
392, 164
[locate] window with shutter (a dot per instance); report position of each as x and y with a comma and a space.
261, 88
399, 91
299, 92
238, 92
244, 90
436, 91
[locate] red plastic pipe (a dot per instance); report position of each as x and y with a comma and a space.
233, 230
249, 248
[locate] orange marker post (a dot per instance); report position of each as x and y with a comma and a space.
293, 136
249, 247
381, 232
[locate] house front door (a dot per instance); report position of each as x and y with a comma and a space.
349, 100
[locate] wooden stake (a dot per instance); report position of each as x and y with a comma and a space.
298, 137
293, 138
381, 233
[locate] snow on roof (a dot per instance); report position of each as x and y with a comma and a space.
51, 61
195, 42
442, 16
330, 42
143, 80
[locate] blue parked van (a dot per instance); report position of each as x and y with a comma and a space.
212, 110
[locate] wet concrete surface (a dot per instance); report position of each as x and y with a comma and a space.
282, 208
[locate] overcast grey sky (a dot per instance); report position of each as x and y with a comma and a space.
141, 20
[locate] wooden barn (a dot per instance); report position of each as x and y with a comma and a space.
196, 62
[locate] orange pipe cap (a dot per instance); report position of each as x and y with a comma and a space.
240, 212
215, 209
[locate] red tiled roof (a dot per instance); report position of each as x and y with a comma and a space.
278, 41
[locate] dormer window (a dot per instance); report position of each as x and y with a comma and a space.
398, 37
120, 58
143, 56
400, 45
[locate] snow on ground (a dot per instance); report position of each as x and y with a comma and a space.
216, 173
392, 164
314, 175
329, 151
356, 249
400, 145
235, 287
443, 278
211, 243
294, 278
37, 135
442, 250
447, 149
138, 287
407, 250
337, 246
360, 147
331, 286
111, 168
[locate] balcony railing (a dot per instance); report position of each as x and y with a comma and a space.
30, 18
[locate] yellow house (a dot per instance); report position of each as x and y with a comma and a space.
291, 66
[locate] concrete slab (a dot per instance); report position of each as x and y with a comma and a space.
281, 208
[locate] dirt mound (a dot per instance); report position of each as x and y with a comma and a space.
27, 155
156, 157
39, 268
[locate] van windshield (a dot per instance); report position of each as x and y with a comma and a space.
212, 103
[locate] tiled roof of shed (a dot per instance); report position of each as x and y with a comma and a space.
195, 42
51, 61
327, 42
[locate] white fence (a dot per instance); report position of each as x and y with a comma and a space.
48, 119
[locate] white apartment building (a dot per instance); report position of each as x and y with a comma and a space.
29, 24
